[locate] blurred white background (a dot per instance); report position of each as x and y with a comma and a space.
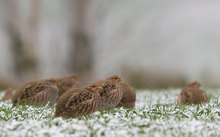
160, 37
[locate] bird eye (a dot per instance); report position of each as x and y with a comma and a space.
93, 86
116, 78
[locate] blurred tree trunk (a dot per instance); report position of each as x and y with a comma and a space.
81, 52
24, 59
32, 35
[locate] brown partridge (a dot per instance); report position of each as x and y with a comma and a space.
8, 95
129, 96
111, 93
77, 102
66, 83
192, 94
38, 92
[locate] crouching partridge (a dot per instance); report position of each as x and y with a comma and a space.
111, 93
192, 94
38, 92
123, 92
78, 102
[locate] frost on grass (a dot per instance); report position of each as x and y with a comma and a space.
156, 114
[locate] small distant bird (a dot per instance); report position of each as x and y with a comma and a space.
78, 102
111, 93
67, 82
8, 95
38, 92
192, 94
129, 96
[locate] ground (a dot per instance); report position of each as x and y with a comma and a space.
155, 114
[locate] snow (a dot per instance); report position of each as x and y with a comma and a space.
155, 114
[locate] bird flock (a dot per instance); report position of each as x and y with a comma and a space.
71, 100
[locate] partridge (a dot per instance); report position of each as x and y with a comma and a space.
38, 92
111, 93
129, 96
66, 83
192, 94
8, 95
77, 102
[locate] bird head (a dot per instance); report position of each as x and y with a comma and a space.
194, 84
51, 81
115, 78
73, 77
95, 87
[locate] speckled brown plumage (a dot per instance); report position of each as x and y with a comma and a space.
8, 95
77, 102
129, 96
62, 101
192, 94
111, 93
67, 82
37, 92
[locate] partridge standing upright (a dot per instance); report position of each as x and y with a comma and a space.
77, 102
192, 94
66, 83
111, 93
38, 92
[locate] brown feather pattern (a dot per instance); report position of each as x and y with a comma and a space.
111, 93
192, 94
36, 93
76, 102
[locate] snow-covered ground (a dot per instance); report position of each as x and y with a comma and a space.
155, 114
